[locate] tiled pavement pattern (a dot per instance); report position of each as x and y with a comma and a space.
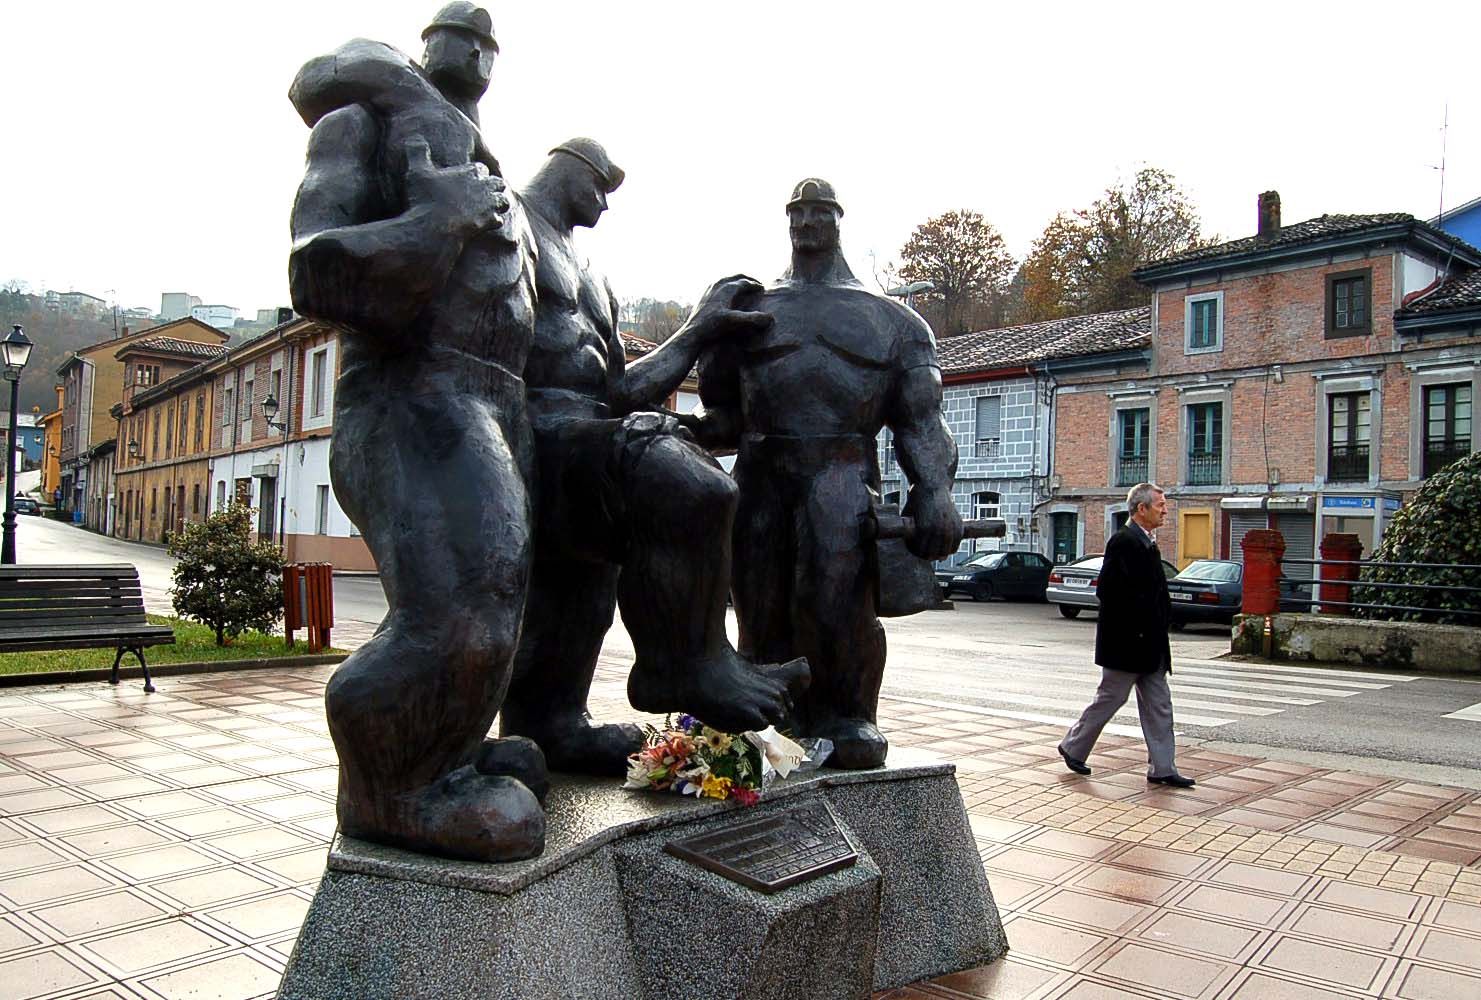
167, 846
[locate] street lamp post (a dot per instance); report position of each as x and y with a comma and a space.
16, 350
269, 411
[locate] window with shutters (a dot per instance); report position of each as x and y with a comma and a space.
989, 426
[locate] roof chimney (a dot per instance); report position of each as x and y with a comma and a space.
1269, 220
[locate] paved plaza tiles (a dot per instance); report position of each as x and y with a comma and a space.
168, 845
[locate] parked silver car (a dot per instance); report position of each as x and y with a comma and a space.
1072, 586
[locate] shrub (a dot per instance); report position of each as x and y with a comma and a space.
1438, 525
225, 580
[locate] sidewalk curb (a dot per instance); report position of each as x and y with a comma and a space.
168, 670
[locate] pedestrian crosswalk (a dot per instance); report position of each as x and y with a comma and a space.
1206, 693
1471, 713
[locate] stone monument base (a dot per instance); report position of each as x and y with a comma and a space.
606, 914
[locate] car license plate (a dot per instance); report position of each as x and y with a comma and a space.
1180, 597
1073, 581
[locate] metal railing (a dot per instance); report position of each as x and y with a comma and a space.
1384, 608
1347, 463
1438, 454
1131, 469
1205, 468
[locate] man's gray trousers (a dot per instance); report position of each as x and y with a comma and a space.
1153, 705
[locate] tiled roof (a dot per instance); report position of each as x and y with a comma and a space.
1315, 230
1463, 292
636, 346
170, 345
1050, 340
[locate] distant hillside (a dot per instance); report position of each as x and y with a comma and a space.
56, 335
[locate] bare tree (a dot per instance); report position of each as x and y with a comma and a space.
964, 256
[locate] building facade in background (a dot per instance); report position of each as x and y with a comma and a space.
1306, 378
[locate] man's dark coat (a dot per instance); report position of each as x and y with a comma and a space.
1131, 628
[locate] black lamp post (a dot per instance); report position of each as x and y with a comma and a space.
269, 411
15, 351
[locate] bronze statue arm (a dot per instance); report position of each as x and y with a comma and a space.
928, 456
343, 260
721, 313
717, 429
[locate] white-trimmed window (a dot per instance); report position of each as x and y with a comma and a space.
321, 510
989, 432
318, 381
1203, 323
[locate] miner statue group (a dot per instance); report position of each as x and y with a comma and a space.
518, 481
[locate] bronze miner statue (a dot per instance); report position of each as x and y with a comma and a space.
803, 402
630, 509
406, 241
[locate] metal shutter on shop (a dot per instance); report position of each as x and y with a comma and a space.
1241, 521
1299, 531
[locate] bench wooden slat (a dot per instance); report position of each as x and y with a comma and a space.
13, 572
45, 605
21, 590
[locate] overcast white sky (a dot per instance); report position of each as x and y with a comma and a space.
149, 146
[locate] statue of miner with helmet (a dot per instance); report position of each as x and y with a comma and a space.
408, 244
803, 402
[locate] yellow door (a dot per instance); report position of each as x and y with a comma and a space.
1195, 536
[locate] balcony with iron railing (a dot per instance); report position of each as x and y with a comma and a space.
1205, 468
1131, 469
1438, 454
1347, 463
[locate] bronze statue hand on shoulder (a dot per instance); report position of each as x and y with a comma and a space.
473, 199
728, 308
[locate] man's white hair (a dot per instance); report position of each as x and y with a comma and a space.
1142, 493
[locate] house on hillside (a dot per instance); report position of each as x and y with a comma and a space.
999, 389
1306, 378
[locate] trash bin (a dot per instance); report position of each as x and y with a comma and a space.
308, 602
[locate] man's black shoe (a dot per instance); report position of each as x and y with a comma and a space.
1078, 766
1175, 780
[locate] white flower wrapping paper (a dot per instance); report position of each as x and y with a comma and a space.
781, 756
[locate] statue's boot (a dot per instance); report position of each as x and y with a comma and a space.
857, 743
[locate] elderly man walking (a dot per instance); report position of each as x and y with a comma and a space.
1131, 644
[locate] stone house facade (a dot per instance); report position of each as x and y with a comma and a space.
997, 395
1283, 388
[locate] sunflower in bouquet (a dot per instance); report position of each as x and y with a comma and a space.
690, 758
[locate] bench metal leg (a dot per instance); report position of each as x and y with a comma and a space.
138, 652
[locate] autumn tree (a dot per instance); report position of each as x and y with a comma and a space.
1083, 261
964, 256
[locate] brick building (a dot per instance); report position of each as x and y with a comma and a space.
282, 468
94, 378
997, 394
1305, 378
160, 462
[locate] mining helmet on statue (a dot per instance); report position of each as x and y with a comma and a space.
590, 152
467, 17
815, 189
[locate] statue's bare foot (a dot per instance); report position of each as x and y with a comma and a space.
477, 817
515, 757
575, 745
857, 743
727, 691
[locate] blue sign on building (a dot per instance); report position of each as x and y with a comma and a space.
1362, 503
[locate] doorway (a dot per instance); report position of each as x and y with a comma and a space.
1064, 537
1195, 536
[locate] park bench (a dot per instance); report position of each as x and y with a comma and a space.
77, 607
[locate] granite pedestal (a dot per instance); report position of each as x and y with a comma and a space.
605, 914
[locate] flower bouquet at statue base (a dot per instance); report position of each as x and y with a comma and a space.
690, 758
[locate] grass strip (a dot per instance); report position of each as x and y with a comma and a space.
194, 643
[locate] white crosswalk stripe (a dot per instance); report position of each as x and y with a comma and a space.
1471, 713
1206, 693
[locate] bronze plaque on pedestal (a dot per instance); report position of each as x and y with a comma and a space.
772, 853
